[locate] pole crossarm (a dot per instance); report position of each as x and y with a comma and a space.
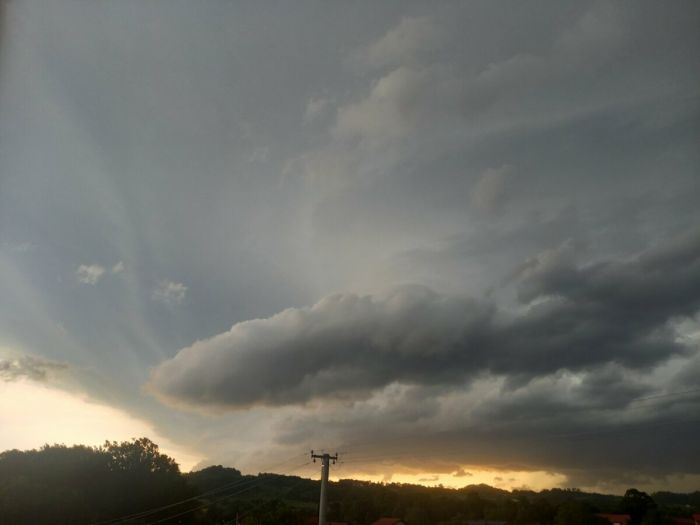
333, 458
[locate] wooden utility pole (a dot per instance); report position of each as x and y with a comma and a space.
325, 467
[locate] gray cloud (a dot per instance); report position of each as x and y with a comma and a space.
28, 367
344, 343
411, 37
556, 423
574, 317
491, 189
402, 164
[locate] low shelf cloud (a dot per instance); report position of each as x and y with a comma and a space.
574, 318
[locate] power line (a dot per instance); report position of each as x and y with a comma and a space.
290, 487
255, 483
168, 518
145, 513
155, 510
375, 457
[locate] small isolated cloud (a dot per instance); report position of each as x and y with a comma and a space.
170, 292
29, 367
314, 108
89, 273
461, 473
491, 190
118, 268
93, 273
429, 479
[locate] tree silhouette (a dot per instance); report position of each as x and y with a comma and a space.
637, 503
79, 485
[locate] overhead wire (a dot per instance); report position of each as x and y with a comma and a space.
371, 458
154, 510
254, 484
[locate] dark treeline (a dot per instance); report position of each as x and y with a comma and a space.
133, 483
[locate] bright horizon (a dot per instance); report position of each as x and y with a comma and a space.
74, 420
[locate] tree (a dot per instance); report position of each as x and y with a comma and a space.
139, 455
576, 513
637, 503
61, 485
540, 511
55, 484
142, 478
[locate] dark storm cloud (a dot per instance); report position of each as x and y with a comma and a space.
609, 434
344, 343
573, 317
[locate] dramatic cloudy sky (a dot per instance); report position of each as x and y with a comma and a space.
458, 242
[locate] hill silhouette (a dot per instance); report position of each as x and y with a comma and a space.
132, 482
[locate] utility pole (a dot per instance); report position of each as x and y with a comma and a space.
326, 465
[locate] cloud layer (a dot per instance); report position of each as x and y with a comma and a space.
168, 174
571, 318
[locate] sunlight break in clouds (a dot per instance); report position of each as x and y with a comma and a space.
70, 419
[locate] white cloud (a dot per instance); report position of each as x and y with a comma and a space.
93, 273
390, 110
89, 273
118, 267
170, 292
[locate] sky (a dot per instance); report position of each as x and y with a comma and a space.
456, 242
